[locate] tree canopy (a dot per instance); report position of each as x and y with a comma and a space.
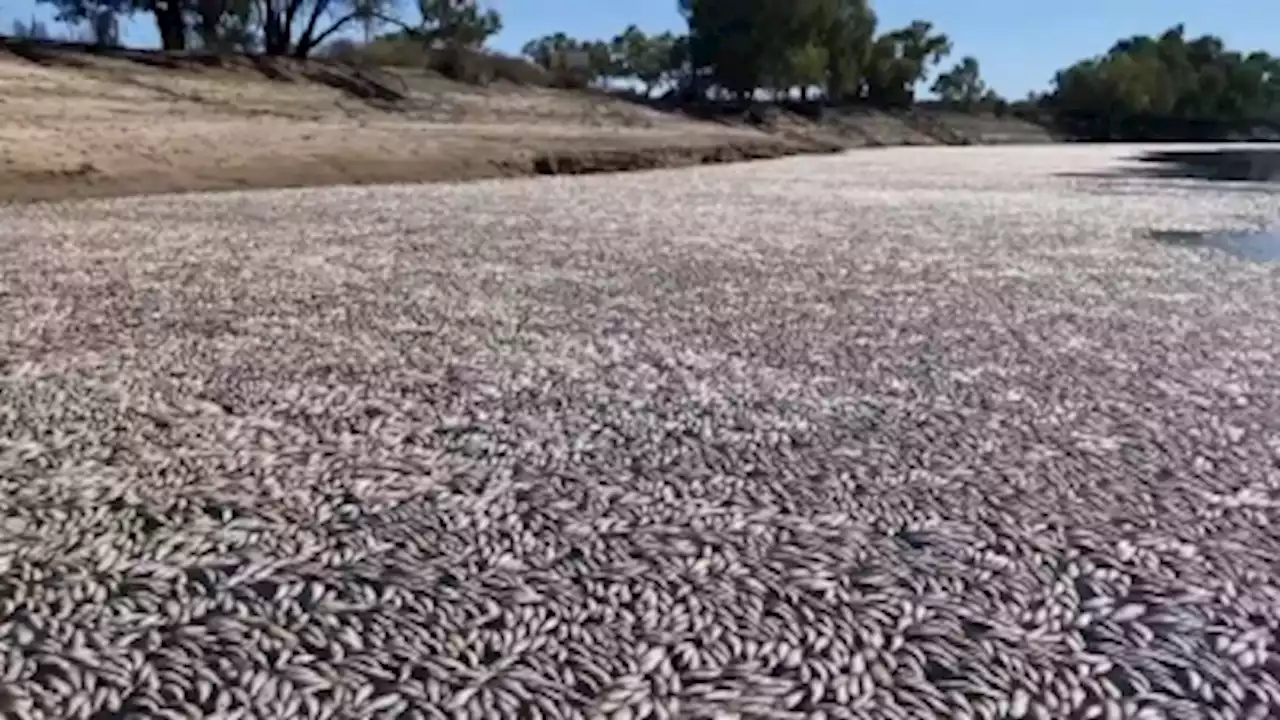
1171, 76
778, 48
834, 51
287, 27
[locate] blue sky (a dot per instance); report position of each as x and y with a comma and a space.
1020, 43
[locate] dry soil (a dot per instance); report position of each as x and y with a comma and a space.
74, 124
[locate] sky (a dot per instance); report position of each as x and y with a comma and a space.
1020, 44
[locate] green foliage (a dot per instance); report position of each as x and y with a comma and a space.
745, 49
547, 50
848, 37
962, 85
631, 55
470, 65
281, 27
741, 46
1171, 76
805, 67
744, 46
101, 18
224, 25
646, 59
458, 22
572, 63
900, 60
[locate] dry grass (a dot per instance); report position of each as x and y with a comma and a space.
904, 433
79, 124
76, 125
462, 64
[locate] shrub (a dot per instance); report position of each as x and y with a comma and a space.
463, 64
517, 70
569, 78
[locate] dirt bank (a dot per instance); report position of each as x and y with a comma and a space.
79, 124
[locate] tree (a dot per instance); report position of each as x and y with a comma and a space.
34, 30
664, 60
806, 67
995, 102
680, 70
600, 60
168, 14
104, 29
572, 62
171, 17
848, 37
921, 49
1168, 85
1171, 76
725, 42
629, 52
297, 27
900, 59
284, 27
457, 23
743, 46
224, 25
546, 50
647, 59
962, 85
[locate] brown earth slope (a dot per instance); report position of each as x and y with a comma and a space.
74, 123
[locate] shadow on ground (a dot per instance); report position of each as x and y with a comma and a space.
1241, 165
1231, 165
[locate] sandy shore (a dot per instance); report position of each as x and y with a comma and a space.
74, 125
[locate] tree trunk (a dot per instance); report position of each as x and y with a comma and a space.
209, 14
275, 38
310, 40
835, 85
307, 40
170, 24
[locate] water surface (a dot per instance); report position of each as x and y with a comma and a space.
1234, 164
1263, 246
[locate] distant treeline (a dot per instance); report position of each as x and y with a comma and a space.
831, 52
1085, 125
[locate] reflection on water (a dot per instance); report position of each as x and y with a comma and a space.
1257, 246
1245, 164
1258, 165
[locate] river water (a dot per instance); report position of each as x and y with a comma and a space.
1245, 165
